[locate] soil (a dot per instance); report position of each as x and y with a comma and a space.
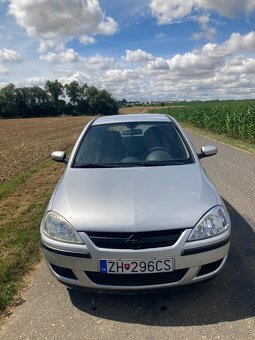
26, 142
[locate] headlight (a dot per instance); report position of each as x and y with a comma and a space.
57, 228
214, 222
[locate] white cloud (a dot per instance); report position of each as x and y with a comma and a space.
207, 32
157, 65
238, 42
107, 27
61, 47
119, 76
33, 81
239, 65
228, 8
167, 11
57, 20
86, 39
40, 81
64, 56
214, 71
46, 45
80, 77
100, 63
160, 35
3, 84
10, 56
4, 70
137, 56
211, 56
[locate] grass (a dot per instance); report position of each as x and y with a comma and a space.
7, 188
19, 249
240, 144
23, 201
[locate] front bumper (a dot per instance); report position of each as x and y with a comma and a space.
78, 265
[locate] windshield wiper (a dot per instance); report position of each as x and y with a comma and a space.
123, 165
94, 165
158, 163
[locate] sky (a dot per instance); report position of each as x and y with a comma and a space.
138, 50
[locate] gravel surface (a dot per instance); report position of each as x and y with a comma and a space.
223, 308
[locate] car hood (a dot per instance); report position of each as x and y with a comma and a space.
134, 199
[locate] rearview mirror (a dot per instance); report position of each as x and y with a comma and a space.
132, 132
207, 151
59, 156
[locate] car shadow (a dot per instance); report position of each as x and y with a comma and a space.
228, 297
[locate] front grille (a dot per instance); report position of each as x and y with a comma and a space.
143, 240
136, 279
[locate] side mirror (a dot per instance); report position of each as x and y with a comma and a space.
207, 151
59, 156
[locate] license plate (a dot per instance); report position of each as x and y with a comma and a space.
136, 266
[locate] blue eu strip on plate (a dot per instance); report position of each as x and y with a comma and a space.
103, 266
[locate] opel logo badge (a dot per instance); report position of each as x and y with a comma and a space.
135, 241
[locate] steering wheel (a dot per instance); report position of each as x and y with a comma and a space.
157, 148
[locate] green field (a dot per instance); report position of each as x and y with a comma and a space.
231, 118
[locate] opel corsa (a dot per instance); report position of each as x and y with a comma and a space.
134, 209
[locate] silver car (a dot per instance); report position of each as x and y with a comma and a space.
134, 209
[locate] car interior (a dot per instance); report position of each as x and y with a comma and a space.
125, 143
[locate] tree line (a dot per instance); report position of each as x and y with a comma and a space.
55, 99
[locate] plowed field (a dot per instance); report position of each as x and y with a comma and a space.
26, 142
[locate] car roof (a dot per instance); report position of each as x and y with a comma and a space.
135, 117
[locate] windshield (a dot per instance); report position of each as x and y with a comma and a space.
132, 144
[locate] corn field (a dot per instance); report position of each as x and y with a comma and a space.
234, 119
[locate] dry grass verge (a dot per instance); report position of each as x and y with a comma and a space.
21, 213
